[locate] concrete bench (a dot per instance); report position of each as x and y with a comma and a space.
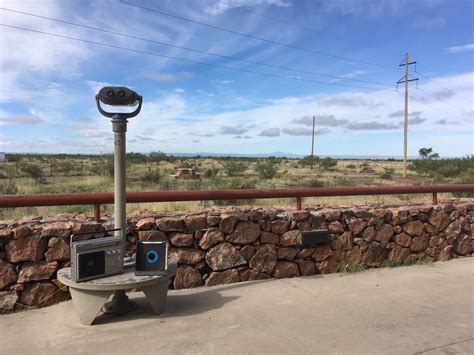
90, 297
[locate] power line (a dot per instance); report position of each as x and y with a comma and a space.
179, 17
271, 18
183, 59
194, 50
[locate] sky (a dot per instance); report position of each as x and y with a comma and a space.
336, 60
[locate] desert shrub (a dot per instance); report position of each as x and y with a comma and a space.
388, 173
467, 177
8, 187
351, 166
267, 169
35, 172
307, 160
211, 172
343, 181
67, 167
443, 168
328, 163
152, 175
234, 167
313, 182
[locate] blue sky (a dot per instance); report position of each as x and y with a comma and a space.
48, 83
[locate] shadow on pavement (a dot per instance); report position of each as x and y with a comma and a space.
178, 305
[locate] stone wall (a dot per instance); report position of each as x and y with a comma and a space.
231, 245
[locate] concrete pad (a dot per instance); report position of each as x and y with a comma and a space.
426, 309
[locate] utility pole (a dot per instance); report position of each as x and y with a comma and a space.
312, 144
405, 79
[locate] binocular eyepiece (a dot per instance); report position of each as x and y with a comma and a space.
118, 96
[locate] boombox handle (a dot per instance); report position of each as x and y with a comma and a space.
97, 232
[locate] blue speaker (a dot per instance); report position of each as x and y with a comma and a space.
151, 258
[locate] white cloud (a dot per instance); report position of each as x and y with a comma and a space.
460, 49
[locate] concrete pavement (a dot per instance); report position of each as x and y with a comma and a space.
426, 309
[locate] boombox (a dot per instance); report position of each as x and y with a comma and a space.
92, 259
151, 258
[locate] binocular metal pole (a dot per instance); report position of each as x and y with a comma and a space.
120, 303
120, 128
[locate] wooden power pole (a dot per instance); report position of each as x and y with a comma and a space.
405, 80
312, 144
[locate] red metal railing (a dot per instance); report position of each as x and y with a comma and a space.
98, 198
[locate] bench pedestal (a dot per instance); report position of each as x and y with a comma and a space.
90, 297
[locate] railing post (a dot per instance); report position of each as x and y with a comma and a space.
298, 204
97, 212
435, 198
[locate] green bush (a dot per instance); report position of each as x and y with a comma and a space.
35, 172
307, 160
328, 163
211, 172
234, 167
351, 166
443, 168
267, 169
313, 182
388, 173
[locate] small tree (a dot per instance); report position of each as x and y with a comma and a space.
158, 156
427, 154
234, 167
310, 159
35, 172
267, 169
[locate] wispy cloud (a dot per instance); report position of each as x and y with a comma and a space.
222, 6
370, 126
223, 82
460, 49
322, 120
429, 23
301, 131
22, 119
168, 77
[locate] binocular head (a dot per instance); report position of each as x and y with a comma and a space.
118, 96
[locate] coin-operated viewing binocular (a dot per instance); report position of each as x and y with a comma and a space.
118, 96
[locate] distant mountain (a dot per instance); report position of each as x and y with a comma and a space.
287, 155
257, 155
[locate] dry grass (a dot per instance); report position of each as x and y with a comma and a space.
290, 174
